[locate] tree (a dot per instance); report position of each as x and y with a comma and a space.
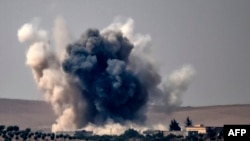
52, 137
131, 133
9, 128
27, 130
11, 135
2, 127
43, 137
170, 137
174, 126
188, 122
128, 134
211, 133
15, 128
25, 138
30, 135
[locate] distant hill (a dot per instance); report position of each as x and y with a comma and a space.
39, 115
217, 115
26, 113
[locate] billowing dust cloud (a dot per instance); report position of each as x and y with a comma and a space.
105, 78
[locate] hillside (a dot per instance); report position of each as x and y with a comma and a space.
207, 115
25, 113
38, 114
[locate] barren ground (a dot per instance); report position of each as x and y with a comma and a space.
38, 114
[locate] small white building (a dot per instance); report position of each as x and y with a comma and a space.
199, 128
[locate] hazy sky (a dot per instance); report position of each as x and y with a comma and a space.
213, 36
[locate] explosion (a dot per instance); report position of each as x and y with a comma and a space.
105, 78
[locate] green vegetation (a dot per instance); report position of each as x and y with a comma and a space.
14, 133
174, 126
188, 122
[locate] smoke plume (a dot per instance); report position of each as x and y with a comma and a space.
105, 78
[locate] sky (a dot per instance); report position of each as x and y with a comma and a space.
212, 36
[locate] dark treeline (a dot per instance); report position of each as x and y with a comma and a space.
14, 133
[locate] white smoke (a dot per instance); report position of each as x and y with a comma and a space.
112, 128
58, 88
30, 33
168, 92
61, 37
177, 83
64, 95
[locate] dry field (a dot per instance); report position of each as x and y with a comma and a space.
38, 115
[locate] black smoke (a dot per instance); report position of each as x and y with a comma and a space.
101, 65
103, 80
